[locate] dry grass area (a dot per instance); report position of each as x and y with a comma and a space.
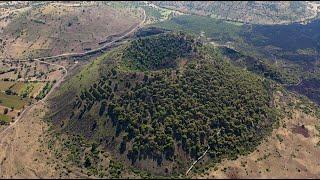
21, 154
57, 28
18, 147
290, 152
25, 153
9, 10
29, 71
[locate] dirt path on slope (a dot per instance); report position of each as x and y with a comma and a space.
290, 152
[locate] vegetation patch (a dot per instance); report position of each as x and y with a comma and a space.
160, 116
12, 101
141, 54
4, 119
45, 90
216, 29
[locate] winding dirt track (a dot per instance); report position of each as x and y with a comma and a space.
67, 55
20, 141
2, 134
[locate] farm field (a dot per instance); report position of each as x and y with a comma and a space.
4, 85
25, 89
159, 90
13, 101
25, 81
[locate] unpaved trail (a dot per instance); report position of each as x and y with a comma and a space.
284, 154
57, 84
195, 162
22, 115
21, 154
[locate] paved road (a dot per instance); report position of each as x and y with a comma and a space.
42, 60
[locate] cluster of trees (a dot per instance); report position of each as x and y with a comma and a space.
159, 52
7, 71
45, 90
208, 102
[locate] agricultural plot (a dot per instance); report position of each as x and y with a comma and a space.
37, 87
13, 101
19, 87
27, 89
156, 13
23, 82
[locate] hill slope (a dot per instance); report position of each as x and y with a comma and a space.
57, 28
159, 102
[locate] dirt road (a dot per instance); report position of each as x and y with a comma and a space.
42, 60
21, 154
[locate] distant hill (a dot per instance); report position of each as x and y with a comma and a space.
159, 102
253, 12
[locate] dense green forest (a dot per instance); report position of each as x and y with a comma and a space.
159, 52
167, 98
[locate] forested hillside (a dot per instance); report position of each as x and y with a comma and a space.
159, 102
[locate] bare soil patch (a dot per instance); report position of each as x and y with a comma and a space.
301, 130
